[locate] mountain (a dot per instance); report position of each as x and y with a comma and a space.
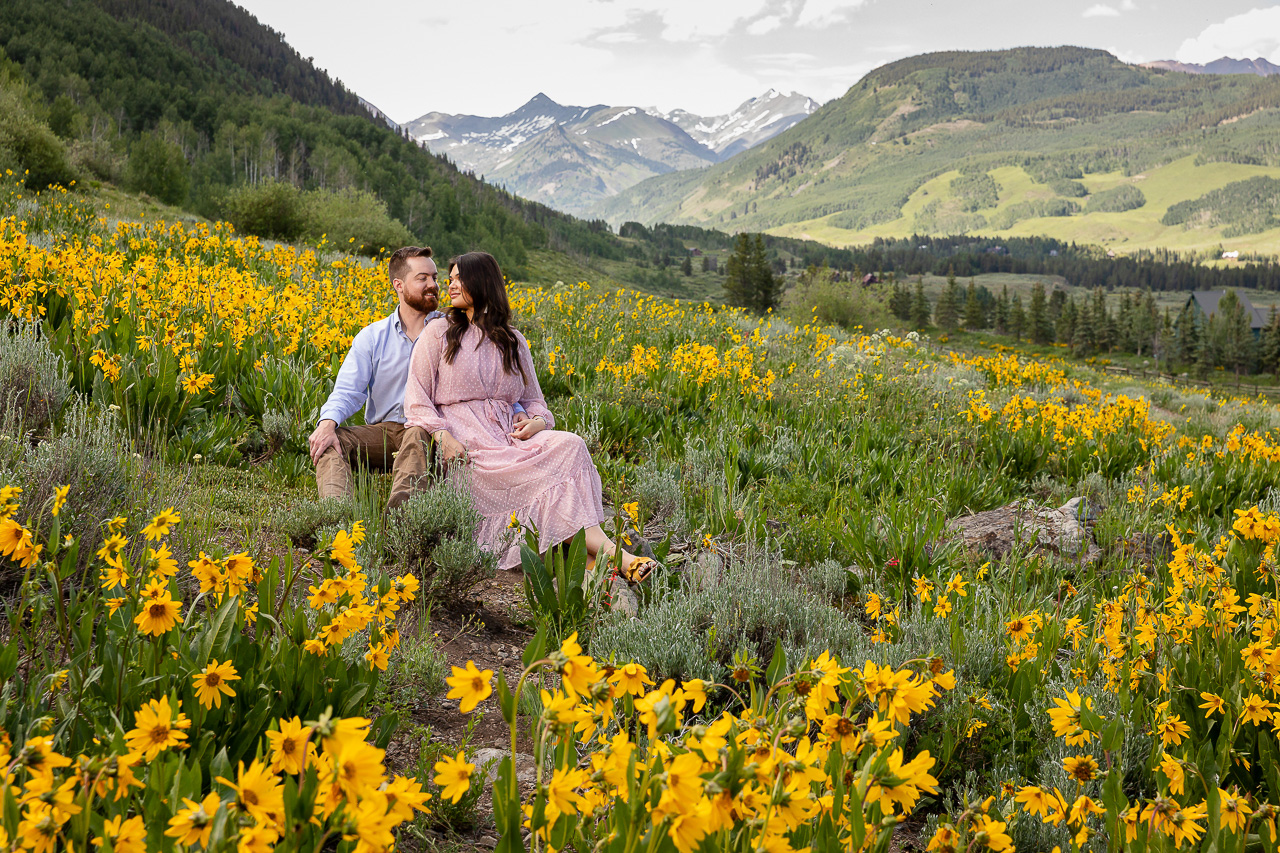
1225, 65
592, 153
195, 101
1067, 142
753, 122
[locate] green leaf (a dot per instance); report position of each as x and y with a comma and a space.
506, 700
1113, 735
777, 669
216, 636
537, 647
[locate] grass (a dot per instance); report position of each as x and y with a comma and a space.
801, 479
1125, 232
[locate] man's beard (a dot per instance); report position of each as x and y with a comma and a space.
424, 302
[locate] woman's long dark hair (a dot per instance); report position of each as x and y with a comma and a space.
491, 313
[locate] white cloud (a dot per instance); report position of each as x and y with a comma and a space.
1126, 56
1253, 34
1128, 6
698, 20
767, 24
1101, 10
816, 13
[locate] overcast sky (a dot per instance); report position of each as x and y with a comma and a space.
487, 57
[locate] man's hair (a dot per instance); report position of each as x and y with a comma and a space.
399, 263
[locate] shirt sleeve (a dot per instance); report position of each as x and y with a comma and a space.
420, 385
351, 388
531, 397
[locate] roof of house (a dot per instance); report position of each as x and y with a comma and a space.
1207, 301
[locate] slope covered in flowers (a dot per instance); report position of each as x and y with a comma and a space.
1030, 699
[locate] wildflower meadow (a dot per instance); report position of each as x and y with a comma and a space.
819, 663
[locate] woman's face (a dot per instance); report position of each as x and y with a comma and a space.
458, 296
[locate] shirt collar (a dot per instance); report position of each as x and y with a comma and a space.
396, 322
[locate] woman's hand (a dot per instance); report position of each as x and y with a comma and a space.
450, 446
528, 428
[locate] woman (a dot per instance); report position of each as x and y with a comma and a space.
467, 370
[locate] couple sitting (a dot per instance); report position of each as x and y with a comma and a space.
466, 379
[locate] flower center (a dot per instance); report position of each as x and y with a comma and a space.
158, 611
160, 733
212, 679
287, 746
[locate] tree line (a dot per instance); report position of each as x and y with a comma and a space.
1183, 339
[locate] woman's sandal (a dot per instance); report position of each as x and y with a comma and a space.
640, 569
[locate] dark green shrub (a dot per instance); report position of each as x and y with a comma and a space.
27, 144
274, 210
159, 168
353, 218
1117, 200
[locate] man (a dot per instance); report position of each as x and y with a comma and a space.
373, 375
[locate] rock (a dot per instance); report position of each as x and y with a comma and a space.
488, 841
488, 759
1063, 531
622, 599
705, 569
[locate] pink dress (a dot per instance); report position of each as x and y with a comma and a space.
548, 481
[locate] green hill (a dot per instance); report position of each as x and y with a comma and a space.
198, 104
1063, 142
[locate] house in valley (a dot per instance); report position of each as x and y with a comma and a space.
1204, 304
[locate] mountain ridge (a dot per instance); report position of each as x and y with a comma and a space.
606, 148
1068, 121
1222, 65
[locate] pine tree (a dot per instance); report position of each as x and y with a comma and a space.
900, 302
1208, 353
1269, 356
1002, 312
920, 306
1038, 318
1065, 328
749, 279
687, 266
1239, 350
1017, 318
1165, 343
1082, 335
975, 318
1187, 336
947, 314
1103, 323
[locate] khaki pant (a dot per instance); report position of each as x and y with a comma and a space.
383, 447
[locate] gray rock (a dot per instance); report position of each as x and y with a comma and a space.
1063, 532
622, 599
488, 759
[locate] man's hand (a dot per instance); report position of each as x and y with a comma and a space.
528, 428
324, 437
450, 447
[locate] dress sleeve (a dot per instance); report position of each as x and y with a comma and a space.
531, 396
420, 385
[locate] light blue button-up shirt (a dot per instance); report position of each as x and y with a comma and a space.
373, 374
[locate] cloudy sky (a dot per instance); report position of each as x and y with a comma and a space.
487, 57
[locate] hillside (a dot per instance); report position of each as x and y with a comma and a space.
199, 105
1064, 142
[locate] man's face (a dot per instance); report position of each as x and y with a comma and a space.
419, 289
